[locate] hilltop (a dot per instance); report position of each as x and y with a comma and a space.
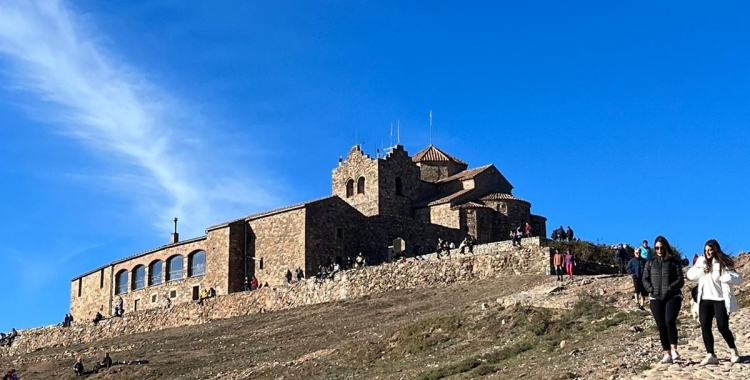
508, 326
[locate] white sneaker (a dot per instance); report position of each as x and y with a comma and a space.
676, 355
735, 355
710, 359
666, 360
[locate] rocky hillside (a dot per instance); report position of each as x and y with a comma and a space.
505, 326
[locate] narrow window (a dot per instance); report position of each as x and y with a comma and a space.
339, 233
349, 188
197, 264
135, 305
172, 294
153, 298
196, 293
399, 188
80, 285
261, 263
361, 185
101, 279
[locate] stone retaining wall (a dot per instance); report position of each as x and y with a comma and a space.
488, 260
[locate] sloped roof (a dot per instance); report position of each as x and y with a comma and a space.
471, 205
444, 198
269, 212
466, 174
433, 154
501, 197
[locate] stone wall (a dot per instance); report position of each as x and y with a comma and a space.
334, 230
358, 165
443, 215
278, 244
398, 164
97, 289
488, 260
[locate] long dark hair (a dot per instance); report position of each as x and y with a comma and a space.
724, 260
669, 255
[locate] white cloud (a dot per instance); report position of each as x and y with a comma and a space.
149, 138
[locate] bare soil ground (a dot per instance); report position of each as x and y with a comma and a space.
429, 333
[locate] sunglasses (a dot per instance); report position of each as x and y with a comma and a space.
660, 248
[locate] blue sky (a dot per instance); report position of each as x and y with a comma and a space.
623, 120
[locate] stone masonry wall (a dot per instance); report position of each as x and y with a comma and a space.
279, 241
323, 245
444, 216
488, 260
358, 165
398, 164
95, 297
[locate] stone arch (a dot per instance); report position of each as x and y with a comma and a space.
174, 268
361, 185
399, 186
121, 282
349, 187
197, 263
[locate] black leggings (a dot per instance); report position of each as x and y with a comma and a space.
707, 310
665, 314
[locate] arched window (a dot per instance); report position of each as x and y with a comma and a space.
121, 279
349, 188
361, 185
154, 273
174, 268
197, 263
139, 278
399, 186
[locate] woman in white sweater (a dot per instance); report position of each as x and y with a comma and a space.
716, 278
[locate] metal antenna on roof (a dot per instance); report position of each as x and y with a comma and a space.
390, 142
430, 127
398, 132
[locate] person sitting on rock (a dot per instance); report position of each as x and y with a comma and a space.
203, 296
78, 367
254, 283
288, 276
246, 285
107, 361
98, 318
359, 261
12, 336
11, 375
211, 292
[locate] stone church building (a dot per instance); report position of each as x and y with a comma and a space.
416, 198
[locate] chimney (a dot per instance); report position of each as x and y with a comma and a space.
175, 236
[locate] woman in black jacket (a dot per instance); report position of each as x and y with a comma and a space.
663, 280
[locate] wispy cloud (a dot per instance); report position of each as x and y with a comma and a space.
148, 134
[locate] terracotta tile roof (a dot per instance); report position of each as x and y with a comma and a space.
269, 212
501, 197
444, 198
433, 154
471, 204
466, 174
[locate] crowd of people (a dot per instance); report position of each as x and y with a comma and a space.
561, 234
105, 364
7, 339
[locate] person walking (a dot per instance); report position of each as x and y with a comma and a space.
570, 262
646, 252
635, 268
557, 261
663, 280
716, 278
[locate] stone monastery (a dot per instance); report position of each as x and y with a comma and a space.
375, 201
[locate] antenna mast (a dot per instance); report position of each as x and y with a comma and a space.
390, 142
398, 131
430, 127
